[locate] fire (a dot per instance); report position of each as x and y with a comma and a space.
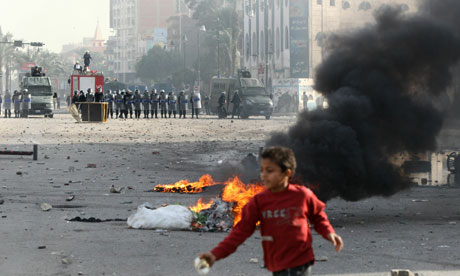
184, 186
200, 205
236, 191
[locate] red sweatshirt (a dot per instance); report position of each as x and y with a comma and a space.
286, 235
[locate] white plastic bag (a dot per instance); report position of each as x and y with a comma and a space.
169, 217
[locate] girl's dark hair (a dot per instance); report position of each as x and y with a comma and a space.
282, 156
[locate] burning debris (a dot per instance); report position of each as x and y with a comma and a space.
184, 186
224, 212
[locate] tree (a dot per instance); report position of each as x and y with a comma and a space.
158, 65
6, 53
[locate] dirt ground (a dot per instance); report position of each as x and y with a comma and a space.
417, 229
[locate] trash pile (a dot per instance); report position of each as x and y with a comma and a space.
217, 218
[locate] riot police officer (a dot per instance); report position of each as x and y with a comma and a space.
1, 100
146, 104
7, 104
137, 98
182, 99
123, 105
172, 104
89, 95
129, 104
154, 101
26, 103
163, 103
195, 100
118, 104
16, 103
109, 100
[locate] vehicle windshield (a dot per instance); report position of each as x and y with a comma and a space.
40, 91
254, 91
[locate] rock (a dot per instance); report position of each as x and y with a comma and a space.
253, 260
46, 207
19, 173
42, 247
322, 259
65, 261
115, 190
2, 201
92, 166
70, 198
401, 272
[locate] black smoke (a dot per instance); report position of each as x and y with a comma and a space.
380, 83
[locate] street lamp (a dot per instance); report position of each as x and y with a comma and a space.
202, 29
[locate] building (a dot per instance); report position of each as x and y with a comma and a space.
284, 38
138, 26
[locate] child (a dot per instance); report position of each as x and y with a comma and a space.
283, 210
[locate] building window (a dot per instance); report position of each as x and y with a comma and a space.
345, 5
365, 6
332, 2
319, 2
287, 38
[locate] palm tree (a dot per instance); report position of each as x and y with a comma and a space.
6, 53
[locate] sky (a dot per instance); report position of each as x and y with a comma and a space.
54, 22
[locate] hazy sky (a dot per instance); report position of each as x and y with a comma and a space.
54, 22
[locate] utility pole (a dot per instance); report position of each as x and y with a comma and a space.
218, 48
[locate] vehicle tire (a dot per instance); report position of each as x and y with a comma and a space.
267, 117
244, 115
51, 116
46, 115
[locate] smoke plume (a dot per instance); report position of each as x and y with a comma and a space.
380, 83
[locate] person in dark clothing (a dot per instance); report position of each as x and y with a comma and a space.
206, 105
236, 101
221, 111
82, 97
87, 59
99, 96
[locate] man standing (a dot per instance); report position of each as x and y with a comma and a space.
87, 59
154, 100
99, 96
146, 104
206, 104
1, 103
172, 104
182, 104
17, 103
7, 104
236, 104
221, 111
163, 103
109, 100
137, 104
26, 103
123, 105
129, 104
89, 96
195, 100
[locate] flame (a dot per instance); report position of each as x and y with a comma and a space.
236, 191
200, 205
184, 186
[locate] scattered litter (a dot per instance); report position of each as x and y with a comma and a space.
65, 261
218, 217
254, 260
401, 272
322, 259
169, 217
92, 166
19, 173
450, 222
115, 190
2, 201
420, 200
94, 220
155, 152
70, 198
46, 207
42, 247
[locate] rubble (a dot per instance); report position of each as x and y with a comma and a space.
401, 272
46, 207
218, 217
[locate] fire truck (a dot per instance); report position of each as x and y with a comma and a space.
84, 81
